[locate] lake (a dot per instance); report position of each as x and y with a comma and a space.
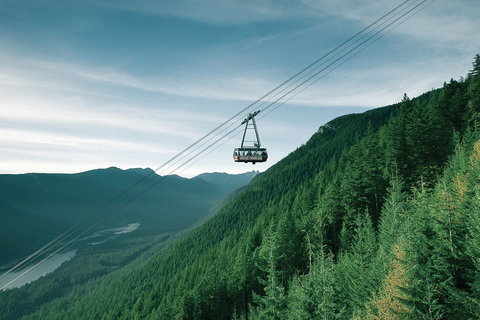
25, 275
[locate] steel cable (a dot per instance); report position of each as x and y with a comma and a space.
186, 152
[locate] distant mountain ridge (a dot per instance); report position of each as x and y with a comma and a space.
228, 181
36, 207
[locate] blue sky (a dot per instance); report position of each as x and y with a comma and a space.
93, 84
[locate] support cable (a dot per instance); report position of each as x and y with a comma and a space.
192, 148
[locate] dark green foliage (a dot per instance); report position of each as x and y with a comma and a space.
394, 223
312, 296
377, 212
473, 229
271, 304
355, 271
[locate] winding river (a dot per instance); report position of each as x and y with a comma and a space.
28, 274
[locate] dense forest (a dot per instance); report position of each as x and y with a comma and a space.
377, 216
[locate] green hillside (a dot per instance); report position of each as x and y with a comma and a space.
376, 217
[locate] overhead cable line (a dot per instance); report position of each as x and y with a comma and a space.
185, 153
129, 189
343, 56
288, 83
334, 50
346, 60
171, 160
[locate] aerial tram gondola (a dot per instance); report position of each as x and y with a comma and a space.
250, 153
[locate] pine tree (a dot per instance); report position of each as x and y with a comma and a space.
473, 90
421, 141
242, 279
372, 161
397, 151
329, 215
424, 284
393, 222
389, 302
290, 243
353, 193
322, 279
272, 305
311, 296
452, 207
355, 270
476, 66
473, 233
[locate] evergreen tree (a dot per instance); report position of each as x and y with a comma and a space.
425, 152
242, 279
272, 305
475, 72
355, 270
473, 231
311, 296
393, 222
473, 90
389, 302
424, 284
396, 153
451, 209
329, 215
373, 162
355, 189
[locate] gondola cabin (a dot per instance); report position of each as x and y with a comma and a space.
248, 154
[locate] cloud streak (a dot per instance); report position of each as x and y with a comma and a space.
441, 23
224, 12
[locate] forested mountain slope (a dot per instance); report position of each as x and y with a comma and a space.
376, 217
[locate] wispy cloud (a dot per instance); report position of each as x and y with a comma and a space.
85, 79
437, 27
218, 11
439, 24
379, 84
67, 113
